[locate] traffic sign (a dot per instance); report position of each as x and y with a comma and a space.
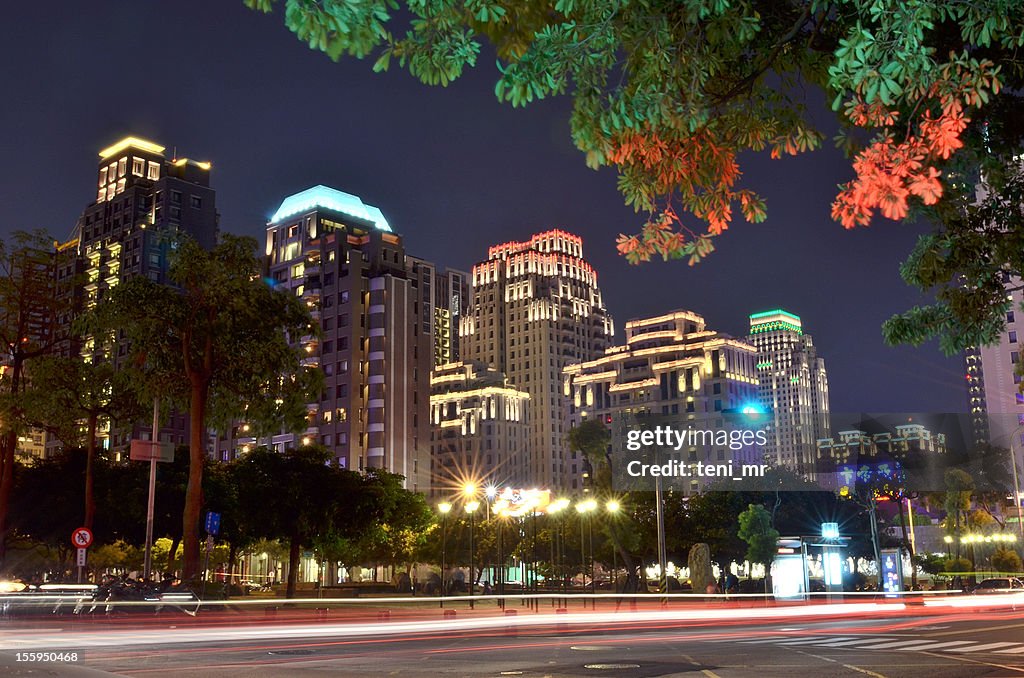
212, 523
81, 557
147, 450
82, 537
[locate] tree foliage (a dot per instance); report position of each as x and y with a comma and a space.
672, 94
217, 341
756, 529
29, 309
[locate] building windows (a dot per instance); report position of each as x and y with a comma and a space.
196, 202
138, 167
152, 171
176, 197
1014, 357
1009, 316
1013, 336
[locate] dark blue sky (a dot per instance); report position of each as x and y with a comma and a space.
452, 170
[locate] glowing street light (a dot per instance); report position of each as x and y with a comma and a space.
613, 507
584, 508
471, 507
444, 508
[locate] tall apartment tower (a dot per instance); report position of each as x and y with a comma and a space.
142, 197
446, 299
341, 257
535, 309
993, 384
793, 387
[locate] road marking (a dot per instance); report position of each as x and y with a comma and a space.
810, 641
937, 645
859, 641
900, 645
1012, 650
864, 671
976, 661
980, 648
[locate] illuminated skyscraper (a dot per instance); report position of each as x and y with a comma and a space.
793, 387
535, 309
341, 257
142, 197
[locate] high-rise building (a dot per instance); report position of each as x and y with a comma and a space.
793, 388
674, 368
480, 428
993, 384
340, 256
535, 309
142, 198
446, 298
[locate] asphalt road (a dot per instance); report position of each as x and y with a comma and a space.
968, 643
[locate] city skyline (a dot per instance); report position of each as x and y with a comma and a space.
436, 182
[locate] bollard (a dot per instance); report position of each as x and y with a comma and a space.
449, 614
321, 613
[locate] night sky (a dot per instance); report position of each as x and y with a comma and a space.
452, 169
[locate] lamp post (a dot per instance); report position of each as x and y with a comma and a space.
585, 508
558, 559
444, 508
471, 507
613, 507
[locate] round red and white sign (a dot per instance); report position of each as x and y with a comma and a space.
82, 537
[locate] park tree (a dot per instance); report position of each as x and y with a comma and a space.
29, 310
64, 393
673, 94
755, 528
215, 341
298, 498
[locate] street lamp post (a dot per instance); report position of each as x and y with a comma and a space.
471, 508
444, 507
613, 507
584, 508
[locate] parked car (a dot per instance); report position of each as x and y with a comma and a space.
1000, 585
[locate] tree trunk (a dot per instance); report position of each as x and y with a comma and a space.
194, 492
90, 456
232, 557
293, 564
175, 541
7, 445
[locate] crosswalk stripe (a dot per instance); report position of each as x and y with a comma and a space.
979, 648
812, 641
859, 641
942, 644
906, 644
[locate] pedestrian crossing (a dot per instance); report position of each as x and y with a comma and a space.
889, 644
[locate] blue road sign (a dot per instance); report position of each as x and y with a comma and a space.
212, 523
